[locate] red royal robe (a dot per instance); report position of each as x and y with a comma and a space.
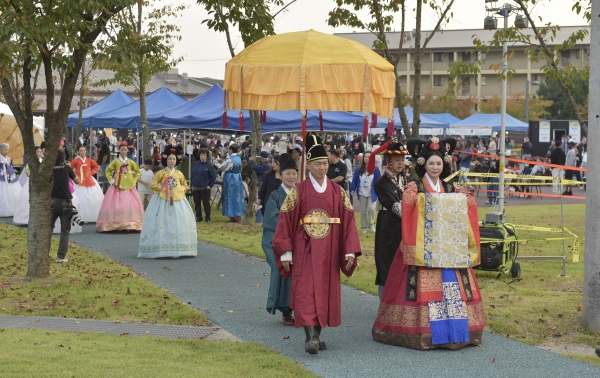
318, 251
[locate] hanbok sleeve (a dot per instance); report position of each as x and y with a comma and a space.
283, 240
472, 212
156, 184
110, 170
349, 242
182, 181
137, 173
410, 211
93, 166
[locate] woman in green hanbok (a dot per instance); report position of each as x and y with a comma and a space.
279, 289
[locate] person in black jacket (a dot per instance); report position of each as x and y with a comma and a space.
203, 179
271, 182
557, 157
61, 203
389, 188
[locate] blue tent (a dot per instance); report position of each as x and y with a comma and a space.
478, 119
205, 112
444, 117
115, 100
426, 122
128, 116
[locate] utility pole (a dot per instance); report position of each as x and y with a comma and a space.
591, 274
490, 23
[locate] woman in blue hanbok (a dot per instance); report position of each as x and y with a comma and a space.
9, 184
279, 289
233, 189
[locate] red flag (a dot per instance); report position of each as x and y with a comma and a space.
390, 128
366, 126
321, 120
241, 117
225, 123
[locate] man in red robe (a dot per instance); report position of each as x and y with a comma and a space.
316, 237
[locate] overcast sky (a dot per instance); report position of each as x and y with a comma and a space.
205, 52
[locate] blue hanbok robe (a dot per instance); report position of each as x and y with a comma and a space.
279, 288
233, 190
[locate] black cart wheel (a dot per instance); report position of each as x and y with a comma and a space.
515, 270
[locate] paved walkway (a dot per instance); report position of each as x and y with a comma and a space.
117, 328
231, 289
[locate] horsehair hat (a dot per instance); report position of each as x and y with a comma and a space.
172, 150
423, 149
389, 148
286, 162
314, 148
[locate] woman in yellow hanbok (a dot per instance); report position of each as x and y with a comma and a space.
169, 228
121, 208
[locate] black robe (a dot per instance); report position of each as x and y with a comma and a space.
389, 226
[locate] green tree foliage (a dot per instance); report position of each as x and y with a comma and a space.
382, 14
560, 106
515, 106
541, 46
461, 108
254, 19
55, 36
139, 44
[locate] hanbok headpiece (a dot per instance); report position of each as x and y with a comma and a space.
423, 149
390, 148
123, 144
314, 148
286, 162
172, 150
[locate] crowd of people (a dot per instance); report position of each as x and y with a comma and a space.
426, 229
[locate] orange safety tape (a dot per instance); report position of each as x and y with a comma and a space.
533, 194
527, 161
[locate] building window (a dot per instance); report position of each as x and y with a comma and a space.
577, 54
482, 81
438, 57
438, 81
535, 79
483, 56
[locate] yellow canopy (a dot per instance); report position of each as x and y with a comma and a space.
11, 134
310, 71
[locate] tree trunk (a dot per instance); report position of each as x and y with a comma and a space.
79, 120
417, 88
591, 273
39, 231
256, 147
144, 121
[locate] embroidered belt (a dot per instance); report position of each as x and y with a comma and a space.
308, 220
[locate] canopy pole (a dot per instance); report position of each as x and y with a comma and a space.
303, 135
190, 157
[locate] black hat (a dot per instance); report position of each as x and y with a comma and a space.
314, 148
172, 150
286, 162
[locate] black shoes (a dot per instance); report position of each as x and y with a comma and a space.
567, 193
313, 344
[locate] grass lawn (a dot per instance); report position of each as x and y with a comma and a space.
94, 287
88, 286
37, 353
542, 309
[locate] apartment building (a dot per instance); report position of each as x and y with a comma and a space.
454, 45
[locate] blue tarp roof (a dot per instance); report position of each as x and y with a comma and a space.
128, 116
444, 117
205, 112
115, 100
426, 121
478, 119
